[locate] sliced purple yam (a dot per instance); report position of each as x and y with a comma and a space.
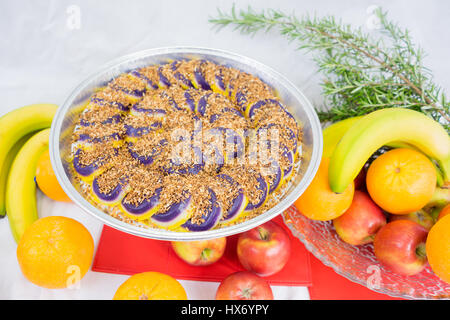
236, 206
278, 176
179, 76
216, 116
277, 180
194, 167
147, 159
190, 101
237, 202
220, 81
211, 217
140, 131
84, 171
233, 110
241, 100
114, 119
162, 78
86, 138
175, 212
103, 102
134, 93
233, 138
292, 136
262, 185
112, 196
215, 157
202, 103
145, 206
233, 141
287, 154
262, 103
154, 112
139, 75
201, 81
174, 103
198, 126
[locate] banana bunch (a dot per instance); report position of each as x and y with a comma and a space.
24, 135
351, 142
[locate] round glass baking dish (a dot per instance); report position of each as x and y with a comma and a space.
68, 114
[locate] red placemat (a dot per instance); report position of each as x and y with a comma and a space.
122, 253
328, 285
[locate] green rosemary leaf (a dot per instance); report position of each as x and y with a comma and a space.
362, 73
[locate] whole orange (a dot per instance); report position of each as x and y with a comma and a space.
445, 211
401, 181
46, 179
150, 286
318, 202
438, 248
55, 252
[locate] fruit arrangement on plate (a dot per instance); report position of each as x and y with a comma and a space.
382, 189
388, 139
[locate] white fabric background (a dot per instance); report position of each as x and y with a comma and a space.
42, 58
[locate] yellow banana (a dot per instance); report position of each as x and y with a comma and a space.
382, 127
440, 198
7, 165
21, 188
13, 127
333, 133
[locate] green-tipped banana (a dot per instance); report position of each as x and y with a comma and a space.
333, 133
380, 128
440, 198
21, 188
6, 166
13, 127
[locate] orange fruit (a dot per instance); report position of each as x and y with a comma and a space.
318, 202
46, 179
150, 286
401, 181
445, 211
55, 252
438, 248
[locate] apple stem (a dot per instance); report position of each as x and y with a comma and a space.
206, 253
247, 293
369, 239
263, 234
421, 251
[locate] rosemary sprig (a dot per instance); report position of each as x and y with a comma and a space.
362, 74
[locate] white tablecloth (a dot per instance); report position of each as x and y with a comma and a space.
48, 47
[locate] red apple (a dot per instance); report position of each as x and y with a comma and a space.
421, 217
244, 285
362, 220
400, 246
200, 253
265, 249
